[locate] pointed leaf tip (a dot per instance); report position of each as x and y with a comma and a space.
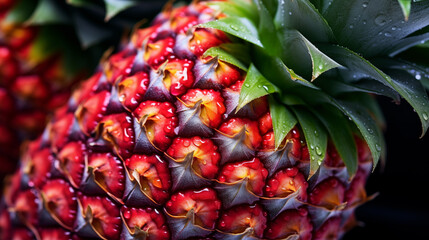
406, 8
254, 86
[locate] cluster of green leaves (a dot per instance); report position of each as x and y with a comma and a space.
322, 62
94, 21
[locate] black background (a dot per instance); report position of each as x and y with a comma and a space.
401, 210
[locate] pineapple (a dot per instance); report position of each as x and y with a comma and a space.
41, 60
224, 120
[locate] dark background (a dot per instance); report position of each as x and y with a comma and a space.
401, 210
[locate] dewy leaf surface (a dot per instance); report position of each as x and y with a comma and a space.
341, 135
410, 90
237, 26
372, 27
304, 17
255, 86
367, 126
283, 121
315, 136
225, 56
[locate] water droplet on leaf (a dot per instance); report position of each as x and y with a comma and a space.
380, 20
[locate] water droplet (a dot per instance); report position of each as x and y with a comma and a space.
377, 147
233, 27
351, 26
259, 85
380, 20
364, 22
316, 133
425, 116
365, 4
394, 28
387, 34
418, 76
247, 85
370, 130
290, 13
318, 151
266, 88
312, 147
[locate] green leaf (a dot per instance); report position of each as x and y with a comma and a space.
238, 8
48, 12
240, 27
407, 43
255, 86
373, 27
406, 8
274, 69
367, 127
81, 3
341, 135
225, 56
283, 121
299, 53
267, 31
89, 32
315, 135
21, 11
320, 62
337, 86
411, 90
114, 7
304, 17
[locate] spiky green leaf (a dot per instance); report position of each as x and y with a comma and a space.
315, 135
367, 127
225, 56
304, 17
267, 31
113, 7
406, 8
300, 54
255, 86
238, 8
338, 128
283, 121
410, 90
237, 26
47, 12
21, 11
373, 27
89, 32
407, 43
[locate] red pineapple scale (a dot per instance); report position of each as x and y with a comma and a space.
151, 147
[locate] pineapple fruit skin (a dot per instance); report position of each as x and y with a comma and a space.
151, 146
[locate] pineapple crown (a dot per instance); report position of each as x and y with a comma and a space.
321, 64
